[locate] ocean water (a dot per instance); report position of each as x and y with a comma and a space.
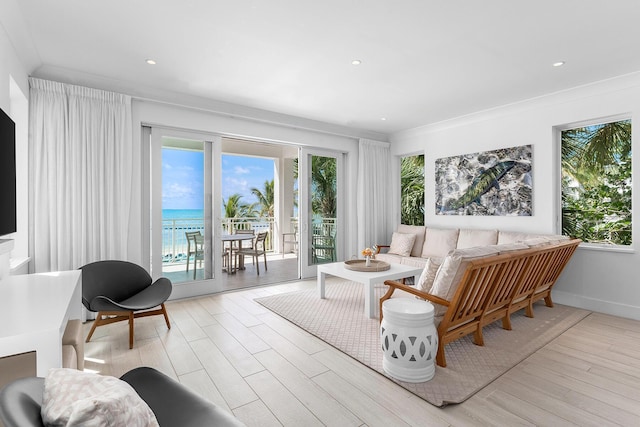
175, 222
168, 214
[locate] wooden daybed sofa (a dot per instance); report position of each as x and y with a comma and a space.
473, 287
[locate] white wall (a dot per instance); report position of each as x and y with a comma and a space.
14, 93
598, 280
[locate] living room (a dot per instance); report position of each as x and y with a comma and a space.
597, 279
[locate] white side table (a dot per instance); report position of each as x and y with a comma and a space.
409, 339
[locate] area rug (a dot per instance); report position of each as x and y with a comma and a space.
340, 321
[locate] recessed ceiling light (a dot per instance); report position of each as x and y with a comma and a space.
383, 119
150, 62
558, 64
356, 62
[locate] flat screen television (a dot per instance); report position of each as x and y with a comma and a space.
7, 174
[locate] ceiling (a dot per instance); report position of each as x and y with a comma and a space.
422, 61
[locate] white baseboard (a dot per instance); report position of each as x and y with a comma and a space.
599, 306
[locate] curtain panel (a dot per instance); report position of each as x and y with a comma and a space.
81, 172
373, 193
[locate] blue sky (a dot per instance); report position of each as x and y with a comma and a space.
183, 177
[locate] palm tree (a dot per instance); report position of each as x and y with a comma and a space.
412, 185
234, 208
323, 186
265, 198
596, 182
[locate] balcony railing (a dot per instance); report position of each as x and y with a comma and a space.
174, 241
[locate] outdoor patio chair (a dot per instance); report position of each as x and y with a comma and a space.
195, 247
324, 248
259, 248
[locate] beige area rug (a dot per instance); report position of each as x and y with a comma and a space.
340, 321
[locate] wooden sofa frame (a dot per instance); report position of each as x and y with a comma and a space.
493, 288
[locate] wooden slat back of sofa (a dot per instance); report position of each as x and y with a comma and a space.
562, 254
486, 281
546, 265
506, 286
490, 285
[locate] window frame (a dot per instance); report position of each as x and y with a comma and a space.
557, 131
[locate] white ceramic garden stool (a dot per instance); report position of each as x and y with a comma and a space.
409, 339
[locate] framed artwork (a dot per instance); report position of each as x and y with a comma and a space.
494, 182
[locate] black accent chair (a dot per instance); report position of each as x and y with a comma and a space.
172, 403
121, 290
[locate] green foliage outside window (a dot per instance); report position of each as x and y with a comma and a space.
596, 183
412, 190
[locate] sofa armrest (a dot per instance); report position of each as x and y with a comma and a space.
393, 285
379, 247
21, 401
173, 403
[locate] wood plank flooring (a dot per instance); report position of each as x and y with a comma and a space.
269, 372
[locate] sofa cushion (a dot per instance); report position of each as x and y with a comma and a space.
425, 283
401, 244
510, 247
414, 261
390, 258
438, 242
537, 242
469, 238
451, 271
75, 398
513, 237
418, 230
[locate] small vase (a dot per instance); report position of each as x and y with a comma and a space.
367, 261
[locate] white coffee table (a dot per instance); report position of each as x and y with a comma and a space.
369, 279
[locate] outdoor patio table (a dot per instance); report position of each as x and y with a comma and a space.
231, 268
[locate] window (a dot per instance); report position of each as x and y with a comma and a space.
412, 190
596, 183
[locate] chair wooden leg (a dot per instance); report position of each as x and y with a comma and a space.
94, 326
506, 322
265, 261
166, 315
478, 339
440, 358
256, 262
131, 317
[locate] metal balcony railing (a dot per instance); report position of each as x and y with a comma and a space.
174, 241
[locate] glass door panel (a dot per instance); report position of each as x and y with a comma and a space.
181, 218
321, 209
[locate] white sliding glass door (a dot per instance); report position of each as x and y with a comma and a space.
182, 188
321, 187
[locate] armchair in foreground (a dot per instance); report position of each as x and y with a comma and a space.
172, 403
121, 290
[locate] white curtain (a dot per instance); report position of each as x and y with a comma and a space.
373, 193
81, 175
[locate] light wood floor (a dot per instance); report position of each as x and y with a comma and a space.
268, 372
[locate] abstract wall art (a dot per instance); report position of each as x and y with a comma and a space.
494, 182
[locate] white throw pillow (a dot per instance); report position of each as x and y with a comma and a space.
418, 230
401, 244
451, 271
76, 398
438, 242
469, 238
428, 275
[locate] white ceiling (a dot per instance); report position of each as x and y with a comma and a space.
423, 61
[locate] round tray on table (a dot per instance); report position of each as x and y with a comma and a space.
360, 265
